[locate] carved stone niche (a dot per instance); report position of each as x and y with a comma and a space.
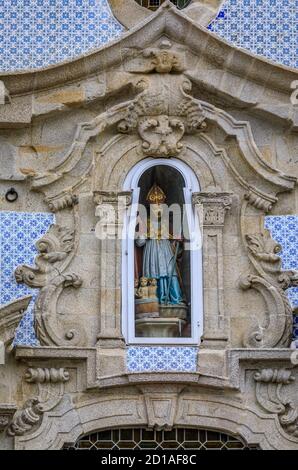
212, 208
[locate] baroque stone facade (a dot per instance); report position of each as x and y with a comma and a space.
166, 89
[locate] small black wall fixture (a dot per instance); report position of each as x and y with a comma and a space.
11, 195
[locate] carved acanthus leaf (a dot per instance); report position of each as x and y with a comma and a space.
53, 247
266, 259
214, 206
269, 395
161, 59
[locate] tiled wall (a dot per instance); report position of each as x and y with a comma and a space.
266, 27
38, 33
162, 359
284, 229
18, 233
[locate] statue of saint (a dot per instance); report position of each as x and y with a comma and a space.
160, 252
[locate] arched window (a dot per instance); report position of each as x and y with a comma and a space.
161, 257
145, 439
155, 4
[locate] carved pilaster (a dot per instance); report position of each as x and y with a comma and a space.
110, 208
212, 208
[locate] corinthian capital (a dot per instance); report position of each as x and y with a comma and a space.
214, 205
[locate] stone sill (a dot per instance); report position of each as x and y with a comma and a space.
217, 368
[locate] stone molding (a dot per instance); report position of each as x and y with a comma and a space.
214, 206
10, 317
173, 23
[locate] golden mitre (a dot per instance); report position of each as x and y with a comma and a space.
156, 195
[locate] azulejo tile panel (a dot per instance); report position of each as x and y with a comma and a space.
162, 358
18, 233
284, 229
265, 27
38, 33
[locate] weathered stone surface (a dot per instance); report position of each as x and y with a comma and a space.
69, 137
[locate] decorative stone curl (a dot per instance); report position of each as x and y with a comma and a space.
45, 375
269, 395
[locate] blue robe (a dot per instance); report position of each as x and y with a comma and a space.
158, 263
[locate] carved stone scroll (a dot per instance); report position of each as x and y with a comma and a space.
275, 330
212, 208
62, 201
270, 384
49, 273
50, 391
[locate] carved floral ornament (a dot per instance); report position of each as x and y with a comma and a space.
163, 59
161, 132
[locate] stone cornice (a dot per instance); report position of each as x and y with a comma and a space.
10, 316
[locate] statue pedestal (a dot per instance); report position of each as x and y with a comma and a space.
159, 327
173, 311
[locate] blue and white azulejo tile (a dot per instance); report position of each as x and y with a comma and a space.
39, 33
265, 27
162, 358
18, 233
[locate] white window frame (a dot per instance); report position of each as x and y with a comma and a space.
128, 304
